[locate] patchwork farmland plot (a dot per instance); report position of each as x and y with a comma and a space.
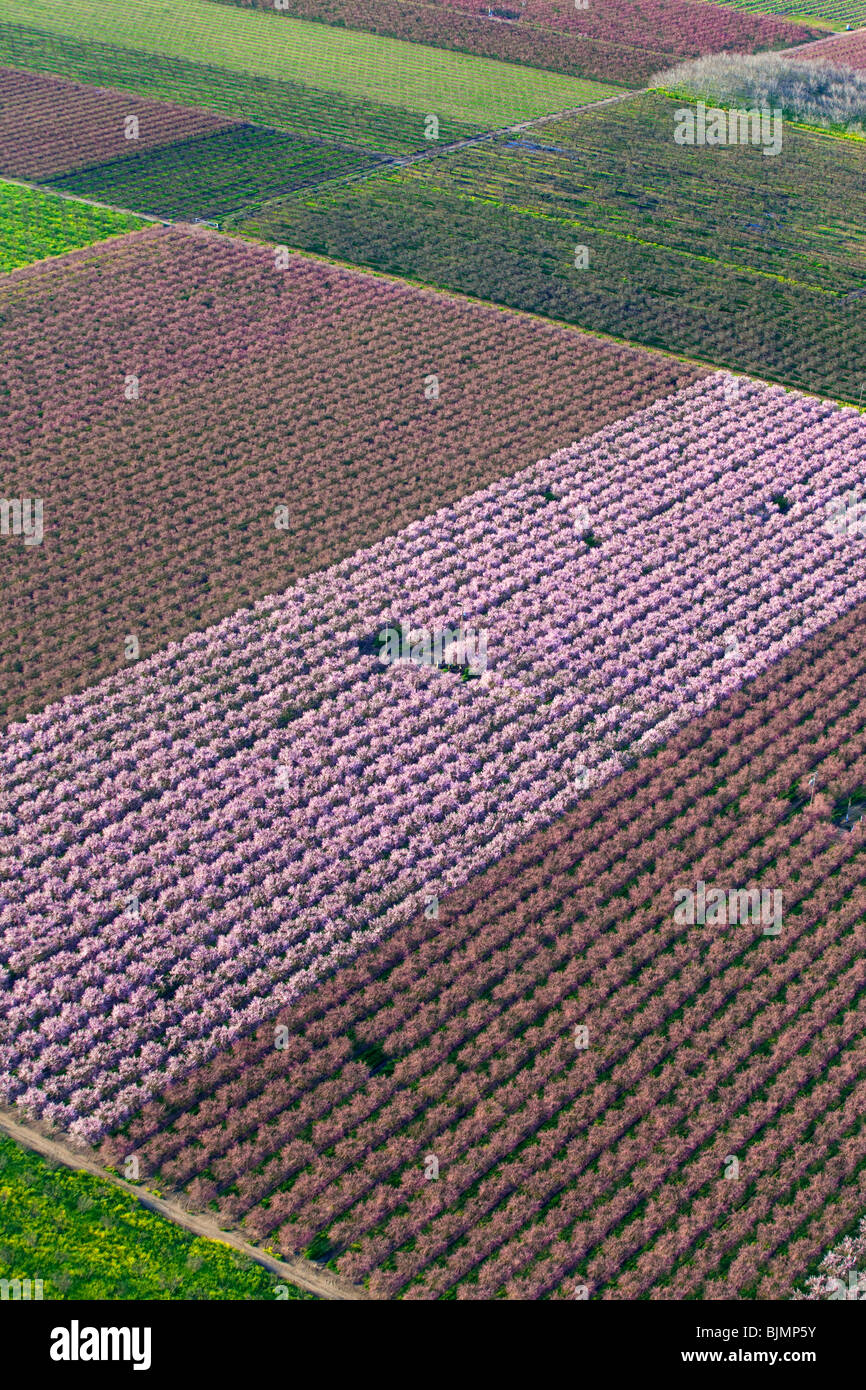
243, 789
174, 161
833, 13
34, 225
432, 666
685, 27
827, 96
257, 388
847, 49
214, 175
750, 262
444, 27
289, 106
463, 88
619, 42
602, 1166
49, 126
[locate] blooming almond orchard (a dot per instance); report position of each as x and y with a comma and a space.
433, 671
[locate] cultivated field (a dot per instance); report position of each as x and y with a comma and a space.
257, 388
243, 788
49, 126
33, 226
836, 14
432, 664
465, 88
847, 49
685, 27
603, 1166
90, 1241
746, 261
444, 27
288, 106
618, 42
211, 176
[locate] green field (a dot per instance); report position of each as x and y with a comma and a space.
835, 14
86, 1239
286, 106
34, 225
349, 122
479, 91
743, 261
212, 174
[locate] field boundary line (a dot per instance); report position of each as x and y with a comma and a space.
295, 1270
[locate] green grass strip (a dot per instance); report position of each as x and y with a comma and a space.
34, 225
85, 1239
